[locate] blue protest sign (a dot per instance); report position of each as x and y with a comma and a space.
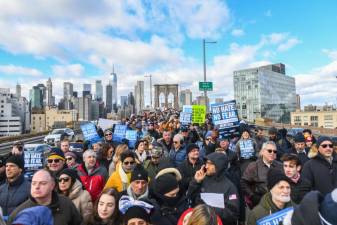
119, 132
275, 218
90, 133
131, 135
185, 118
225, 117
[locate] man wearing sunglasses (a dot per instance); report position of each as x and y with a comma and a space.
254, 179
321, 170
56, 161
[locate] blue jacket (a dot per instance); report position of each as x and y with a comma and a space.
177, 157
13, 194
38, 215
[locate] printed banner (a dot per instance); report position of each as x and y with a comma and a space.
225, 117
131, 135
187, 109
33, 160
199, 114
90, 133
106, 124
275, 218
185, 118
119, 133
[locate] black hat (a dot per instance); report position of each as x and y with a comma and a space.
183, 129
165, 183
136, 212
127, 154
299, 137
190, 147
274, 176
71, 173
321, 139
272, 130
17, 160
328, 208
139, 173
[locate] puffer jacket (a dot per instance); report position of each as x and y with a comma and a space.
219, 184
94, 181
177, 156
81, 199
264, 208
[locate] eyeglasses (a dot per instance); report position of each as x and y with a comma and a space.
327, 145
65, 179
69, 158
53, 160
272, 151
108, 134
128, 162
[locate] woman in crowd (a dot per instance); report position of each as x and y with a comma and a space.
71, 158
105, 209
116, 158
69, 184
108, 151
141, 153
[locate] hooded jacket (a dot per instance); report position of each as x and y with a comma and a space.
219, 184
38, 215
264, 208
63, 210
94, 181
321, 174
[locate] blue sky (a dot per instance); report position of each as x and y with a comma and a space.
79, 40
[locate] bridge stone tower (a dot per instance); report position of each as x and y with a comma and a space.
166, 89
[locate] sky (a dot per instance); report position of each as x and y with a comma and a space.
80, 40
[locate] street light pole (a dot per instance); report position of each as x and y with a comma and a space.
204, 42
150, 76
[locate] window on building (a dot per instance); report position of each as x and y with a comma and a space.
314, 118
328, 117
297, 118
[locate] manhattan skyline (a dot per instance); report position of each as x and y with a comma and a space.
78, 41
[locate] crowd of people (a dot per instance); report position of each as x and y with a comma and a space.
176, 174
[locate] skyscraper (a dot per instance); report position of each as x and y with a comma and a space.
86, 90
139, 96
124, 101
113, 81
108, 99
36, 98
44, 93
99, 90
18, 90
50, 98
265, 92
67, 90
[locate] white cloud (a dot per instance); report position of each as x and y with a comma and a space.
290, 43
72, 70
20, 70
332, 54
238, 32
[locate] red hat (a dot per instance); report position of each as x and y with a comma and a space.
308, 139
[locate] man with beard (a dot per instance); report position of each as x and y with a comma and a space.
211, 178
299, 148
152, 131
277, 199
152, 165
166, 142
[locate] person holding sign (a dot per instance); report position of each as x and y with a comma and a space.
274, 201
211, 186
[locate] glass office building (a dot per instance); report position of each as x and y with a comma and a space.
265, 92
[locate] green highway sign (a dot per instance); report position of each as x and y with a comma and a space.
205, 86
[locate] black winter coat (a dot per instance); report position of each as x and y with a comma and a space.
321, 174
299, 189
187, 171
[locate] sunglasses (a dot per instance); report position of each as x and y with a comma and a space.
69, 158
53, 160
327, 145
271, 151
108, 134
128, 163
176, 142
65, 179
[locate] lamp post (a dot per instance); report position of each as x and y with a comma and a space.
204, 42
150, 76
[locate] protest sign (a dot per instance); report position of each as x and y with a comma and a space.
225, 117
33, 160
275, 218
90, 133
119, 133
131, 135
187, 109
185, 118
198, 114
106, 124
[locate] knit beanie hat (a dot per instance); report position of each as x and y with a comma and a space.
136, 212
274, 176
56, 153
71, 173
190, 147
328, 208
71, 154
165, 183
321, 139
139, 173
17, 160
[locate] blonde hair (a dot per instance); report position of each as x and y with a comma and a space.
203, 215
